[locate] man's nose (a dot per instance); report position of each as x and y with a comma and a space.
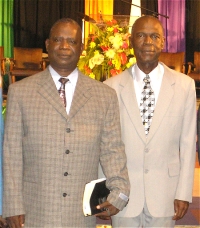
64, 44
148, 40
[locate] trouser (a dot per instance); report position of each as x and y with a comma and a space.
145, 219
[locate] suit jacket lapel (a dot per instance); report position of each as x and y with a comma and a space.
81, 94
164, 99
130, 102
49, 91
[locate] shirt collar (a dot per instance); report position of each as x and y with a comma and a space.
139, 75
73, 77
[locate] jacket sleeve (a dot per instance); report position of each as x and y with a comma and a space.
113, 158
187, 146
198, 132
12, 157
1, 147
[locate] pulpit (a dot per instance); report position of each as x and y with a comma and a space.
194, 68
174, 61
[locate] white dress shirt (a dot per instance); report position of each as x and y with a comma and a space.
69, 86
155, 75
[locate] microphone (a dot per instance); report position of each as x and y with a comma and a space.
154, 13
86, 17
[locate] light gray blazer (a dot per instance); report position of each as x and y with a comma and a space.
160, 166
49, 156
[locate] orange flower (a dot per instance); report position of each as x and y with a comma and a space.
110, 62
111, 22
123, 58
104, 48
93, 38
125, 45
87, 69
114, 72
115, 30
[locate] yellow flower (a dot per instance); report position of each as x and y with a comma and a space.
117, 63
96, 52
131, 51
110, 53
91, 75
110, 29
83, 54
131, 62
92, 44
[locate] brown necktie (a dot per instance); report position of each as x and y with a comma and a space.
61, 91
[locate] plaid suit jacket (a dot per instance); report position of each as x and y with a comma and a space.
49, 155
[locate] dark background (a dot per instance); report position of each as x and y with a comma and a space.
33, 19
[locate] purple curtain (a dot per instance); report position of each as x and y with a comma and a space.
174, 26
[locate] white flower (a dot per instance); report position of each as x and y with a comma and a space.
116, 41
96, 60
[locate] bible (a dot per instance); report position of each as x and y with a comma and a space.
95, 193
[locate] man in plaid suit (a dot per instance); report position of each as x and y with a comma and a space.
51, 152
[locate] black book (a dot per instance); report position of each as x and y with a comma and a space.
95, 193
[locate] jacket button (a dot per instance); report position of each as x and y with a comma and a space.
67, 151
64, 194
66, 173
68, 130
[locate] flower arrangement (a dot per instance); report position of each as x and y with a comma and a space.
107, 52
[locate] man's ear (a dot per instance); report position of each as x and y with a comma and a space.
163, 43
130, 42
82, 47
47, 44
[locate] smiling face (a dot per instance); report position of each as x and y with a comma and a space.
148, 41
64, 47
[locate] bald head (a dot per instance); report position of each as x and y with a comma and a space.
147, 39
144, 19
64, 46
66, 21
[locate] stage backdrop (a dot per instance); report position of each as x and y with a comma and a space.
95, 9
6, 27
174, 26
33, 19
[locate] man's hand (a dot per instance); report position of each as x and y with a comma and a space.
16, 221
108, 210
180, 209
